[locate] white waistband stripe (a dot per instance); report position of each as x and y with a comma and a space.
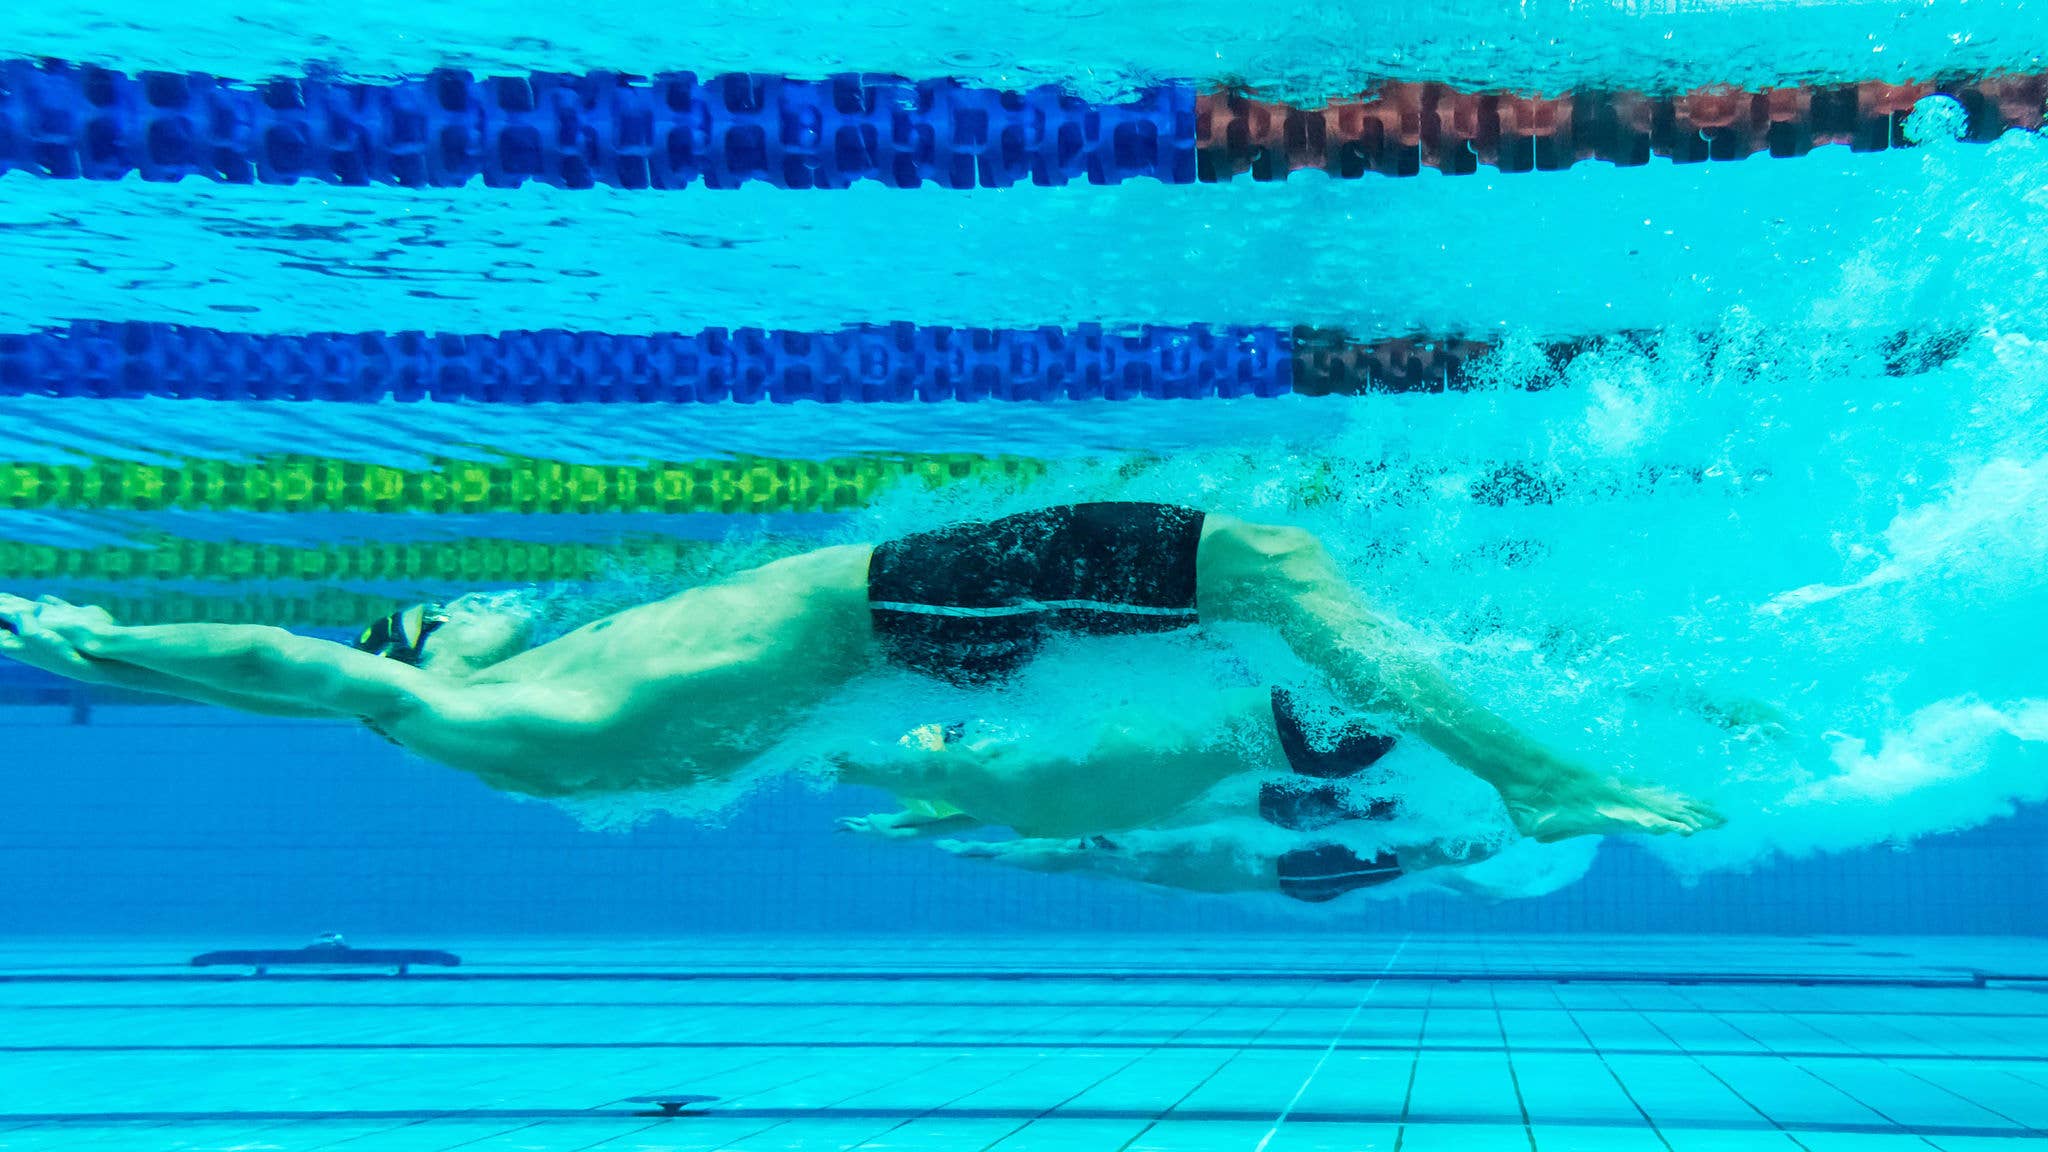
1032, 607
1324, 877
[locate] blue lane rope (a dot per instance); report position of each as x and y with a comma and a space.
578, 131
877, 364
881, 364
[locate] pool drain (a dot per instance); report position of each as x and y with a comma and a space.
672, 1105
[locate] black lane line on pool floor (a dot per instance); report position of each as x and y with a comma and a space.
977, 1006
1082, 1045
1200, 1115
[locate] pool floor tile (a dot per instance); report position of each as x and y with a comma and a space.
1313, 1045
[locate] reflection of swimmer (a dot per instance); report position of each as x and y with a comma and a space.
695, 687
1138, 767
1320, 770
1208, 859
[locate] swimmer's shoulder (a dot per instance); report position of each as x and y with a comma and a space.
838, 567
824, 586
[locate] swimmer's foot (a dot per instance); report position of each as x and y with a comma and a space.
1593, 806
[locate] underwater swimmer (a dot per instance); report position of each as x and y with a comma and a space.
1308, 764
1149, 766
696, 686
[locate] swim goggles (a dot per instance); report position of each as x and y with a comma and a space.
402, 636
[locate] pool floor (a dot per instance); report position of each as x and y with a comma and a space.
1040, 1044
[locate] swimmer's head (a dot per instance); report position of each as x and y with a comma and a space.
465, 635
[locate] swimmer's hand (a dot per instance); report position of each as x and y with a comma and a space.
887, 825
80, 625
27, 636
54, 615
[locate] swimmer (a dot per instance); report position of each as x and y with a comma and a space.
1144, 767
1319, 769
695, 687
1222, 856
1209, 859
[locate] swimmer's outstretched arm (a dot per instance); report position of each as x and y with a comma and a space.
25, 635
242, 662
115, 674
507, 732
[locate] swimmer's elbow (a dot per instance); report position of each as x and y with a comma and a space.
260, 652
396, 714
274, 664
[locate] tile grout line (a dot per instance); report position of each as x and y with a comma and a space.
904, 1123
500, 1079
1332, 1047
1601, 1055
1028, 1025
1507, 1052
725, 1071
1106, 1077
1213, 1073
1886, 1062
366, 1006
1689, 1054
2025, 1060
1414, 1066
1831, 1085
728, 1071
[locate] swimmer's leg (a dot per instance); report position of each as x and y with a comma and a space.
1283, 577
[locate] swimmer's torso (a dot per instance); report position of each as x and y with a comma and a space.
697, 685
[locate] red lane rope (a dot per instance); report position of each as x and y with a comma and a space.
1397, 129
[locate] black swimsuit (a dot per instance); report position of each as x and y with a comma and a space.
974, 602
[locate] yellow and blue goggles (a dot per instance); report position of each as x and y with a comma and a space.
402, 636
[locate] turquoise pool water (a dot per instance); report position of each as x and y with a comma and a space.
1773, 531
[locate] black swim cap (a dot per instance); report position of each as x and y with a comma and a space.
392, 637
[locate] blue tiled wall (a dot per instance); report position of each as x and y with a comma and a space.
157, 820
